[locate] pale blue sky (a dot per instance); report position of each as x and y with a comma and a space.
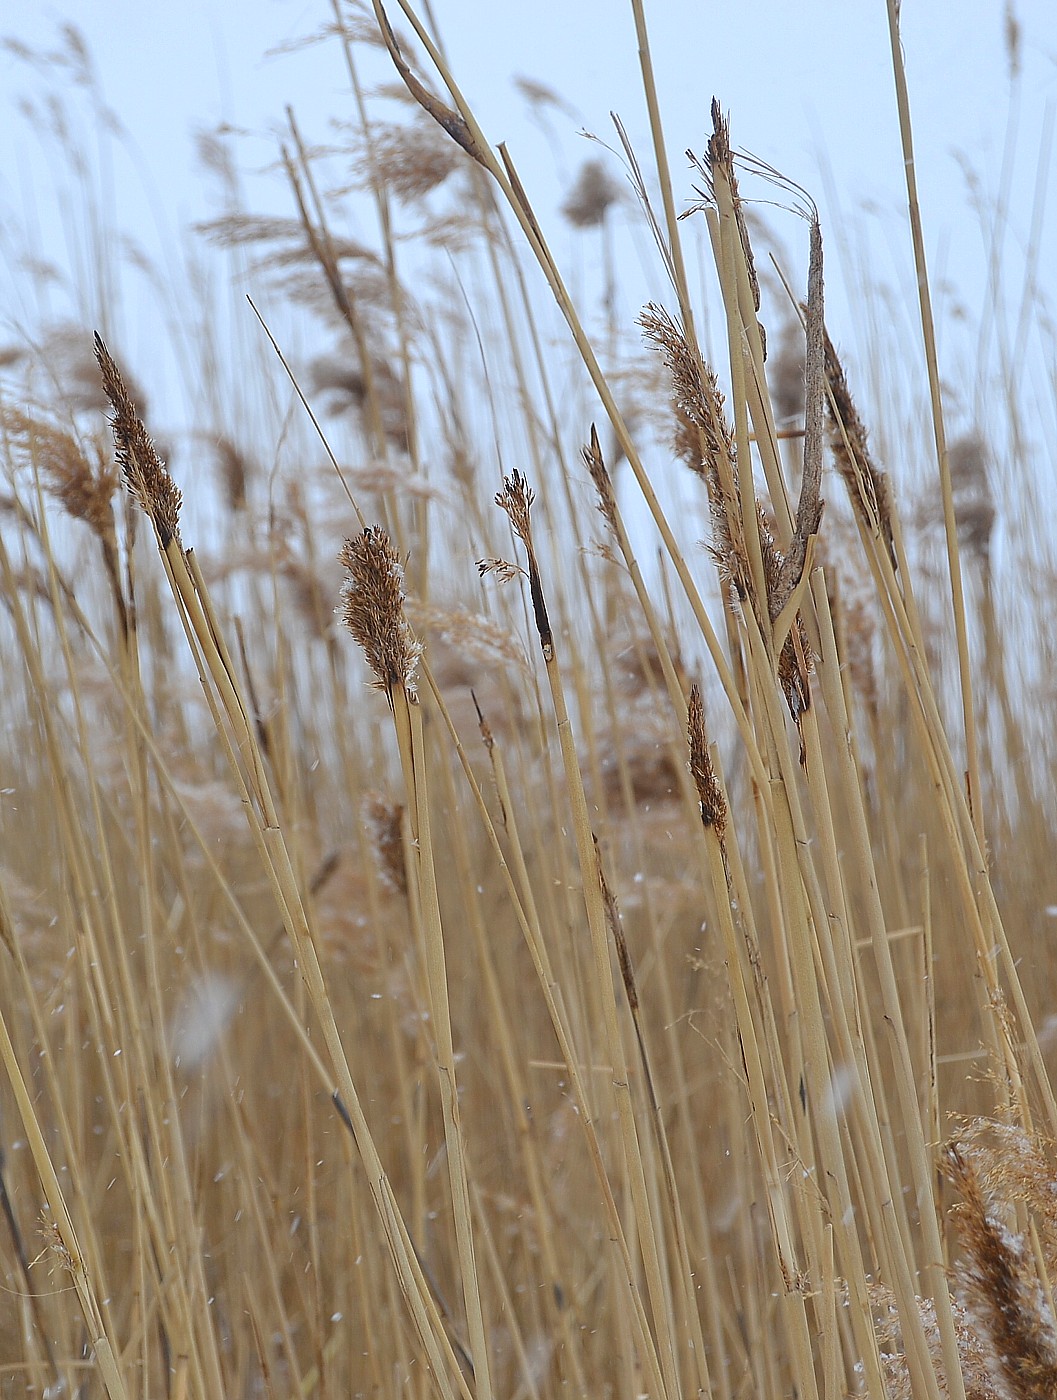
808, 86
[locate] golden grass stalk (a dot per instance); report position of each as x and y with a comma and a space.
158, 496
372, 610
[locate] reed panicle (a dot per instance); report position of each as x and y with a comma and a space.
1009, 1304
145, 475
372, 608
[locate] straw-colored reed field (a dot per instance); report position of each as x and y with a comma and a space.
461, 939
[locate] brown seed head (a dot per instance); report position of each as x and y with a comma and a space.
720, 166
710, 795
974, 507
592, 196
703, 440
408, 162
596, 465
384, 820
146, 476
998, 1277
867, 484
84, 488
517, 498
372, 608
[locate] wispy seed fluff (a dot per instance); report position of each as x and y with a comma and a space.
372, 608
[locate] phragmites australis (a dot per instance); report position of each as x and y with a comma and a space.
718, 168
998, 1278
596, 465
409, 161
383, 819
709, 793
974, 505
866, 482
592, 196
703, 440
516, 499
372, 608
145, 475
85, 487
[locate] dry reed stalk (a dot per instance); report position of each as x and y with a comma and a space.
372, 610
525, 910
158, 496
739, 959
939, 430
516, 500
968, 861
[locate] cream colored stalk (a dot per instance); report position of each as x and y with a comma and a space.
156, 493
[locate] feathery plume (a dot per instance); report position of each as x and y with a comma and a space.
603, 482
372, 608
84, 488
145, 475
383, 820
1001, 1289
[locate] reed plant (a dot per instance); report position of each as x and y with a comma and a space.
446, 953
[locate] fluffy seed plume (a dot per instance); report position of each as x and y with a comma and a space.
974, 505
703, 440
372, 608
408, 161
1001, 1288
146, 476
713, 803
84, 487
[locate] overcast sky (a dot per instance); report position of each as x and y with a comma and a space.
808, 86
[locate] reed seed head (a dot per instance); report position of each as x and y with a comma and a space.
145, 475
84, 488
710, 795
592, 196
1001, 1288
517, 499
867, 484
372, 608
603, 482
384, 822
